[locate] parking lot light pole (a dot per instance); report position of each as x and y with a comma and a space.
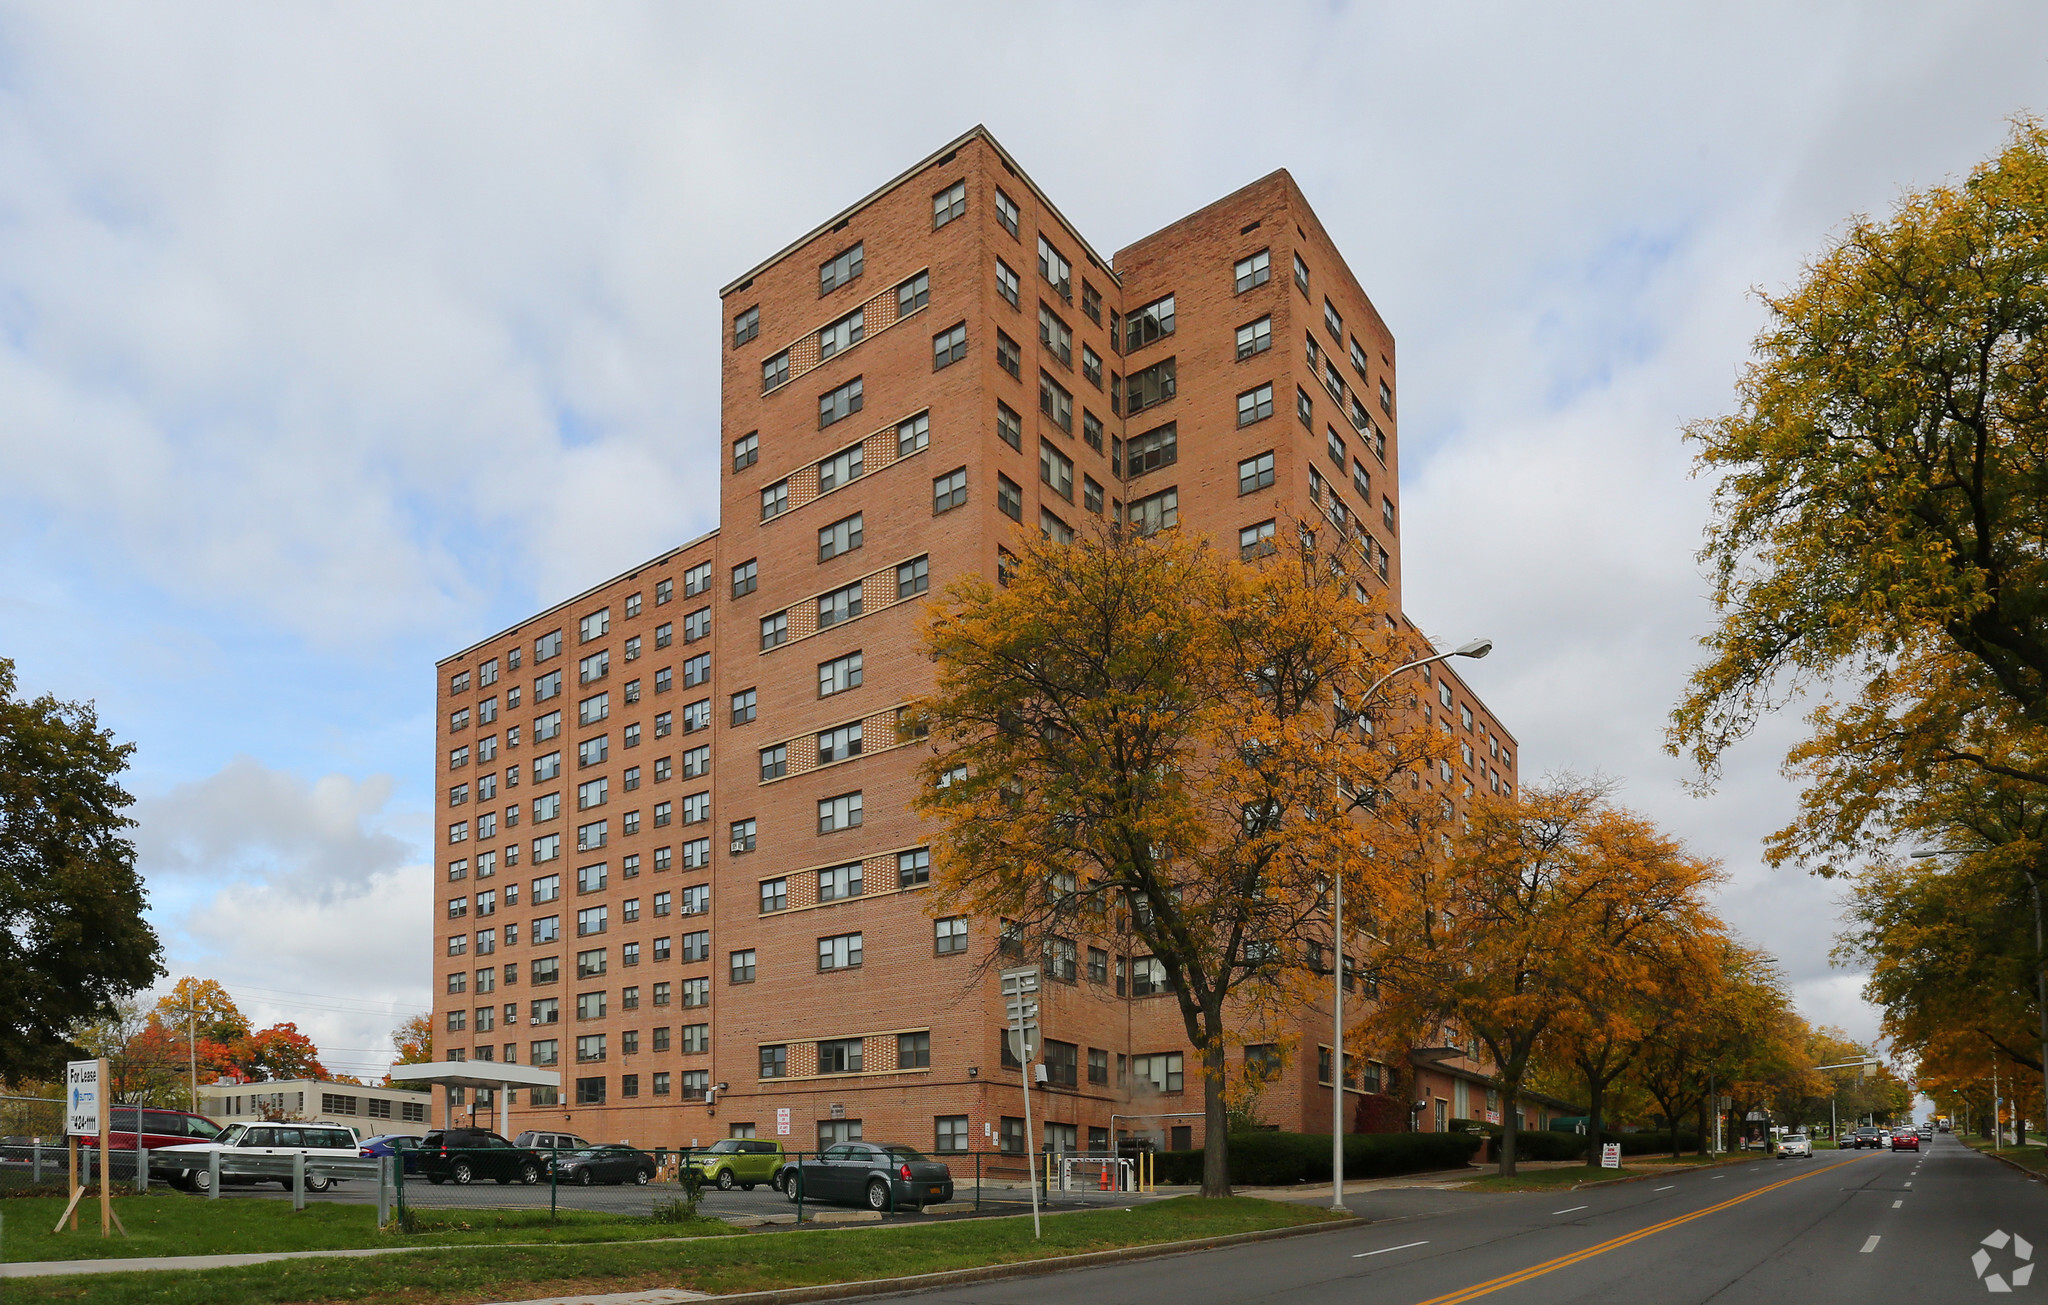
1475, 649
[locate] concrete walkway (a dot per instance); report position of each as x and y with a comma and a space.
137, 1263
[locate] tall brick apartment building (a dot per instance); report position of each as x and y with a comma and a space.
678, 859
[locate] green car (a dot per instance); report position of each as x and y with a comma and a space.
738, 1162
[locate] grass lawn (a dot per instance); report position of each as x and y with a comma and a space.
2030, 1157
718, 1265
172, 1223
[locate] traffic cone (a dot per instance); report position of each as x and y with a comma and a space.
1105, 1178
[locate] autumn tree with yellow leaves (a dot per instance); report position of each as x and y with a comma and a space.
1139, 733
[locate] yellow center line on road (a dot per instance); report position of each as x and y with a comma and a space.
1564, 1261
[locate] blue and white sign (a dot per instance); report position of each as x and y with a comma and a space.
83, 1100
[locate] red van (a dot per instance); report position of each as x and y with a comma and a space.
159, 1128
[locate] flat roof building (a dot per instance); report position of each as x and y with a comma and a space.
663, 870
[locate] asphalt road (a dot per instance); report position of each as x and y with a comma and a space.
1854, 1228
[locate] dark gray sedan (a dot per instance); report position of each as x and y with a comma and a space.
881, 1176
604, 1164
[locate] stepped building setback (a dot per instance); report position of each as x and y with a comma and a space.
677, 858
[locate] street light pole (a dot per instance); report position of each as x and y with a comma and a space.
1476, 648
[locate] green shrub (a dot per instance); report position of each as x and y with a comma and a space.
1278, 1159
1549, 1146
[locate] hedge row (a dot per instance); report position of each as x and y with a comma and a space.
1277, 1159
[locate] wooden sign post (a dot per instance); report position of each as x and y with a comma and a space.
85, 1115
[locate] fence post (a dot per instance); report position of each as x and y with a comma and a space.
383, 1190
802, 1187
213, 1174
554, 1179
38, 1152
298, 1180
141, 1165
977, 1182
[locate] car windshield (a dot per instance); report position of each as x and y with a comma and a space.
229, 1135
726, 1147
903, 1153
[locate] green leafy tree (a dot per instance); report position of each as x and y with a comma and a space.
73, 942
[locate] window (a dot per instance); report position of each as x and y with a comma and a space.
1006, 211
1333, 322
743, 702
1146, 325
742, 966
633, 645
839, 675
837, 405
548, 847
590, 1006
696, 1039
1009, 498
1006, 566
839, 269
1006, 282
664, 592
591, 793
1011, 1134
913, 435
1091, 430
949, 935
914, 577
1062, 1066
949, 204
774, 630
1387, 511
696, 671
1361, 479
547, 686
594, 667
591, 920
913, 294
588, 837
1255, 473
839, 606
1009, 426
838, 882
913, 1050
949, 347
1056, 470
696, 763
839, 952
1334, 445
1091, 366
548, 645
1301, 274
775, 372
745, 577
593, 709
1254, 338
1062, 960
1156, 512
547, 1051
1091, 302
774, 895
590, 964
1152, 387
697, 946
775, 500
1091, 495
948, 491
742, 837
697, 854
548, 969
1304, 408
696, 992
1098, 965
746, 326
594, 626
1255, 405
839, 744
696, 808
1053, 528
1262, 1060
774, 762
661, 813
664, 724
1058, 273
1255, 271
1148, 977
842, 812
1009, 356
1386, 399
842, 536
1055, 335
1152, 450
1160, 1073
697, 625
1255, 541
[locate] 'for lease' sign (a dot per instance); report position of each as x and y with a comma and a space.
82, 1098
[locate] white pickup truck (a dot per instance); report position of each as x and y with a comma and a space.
188, 1166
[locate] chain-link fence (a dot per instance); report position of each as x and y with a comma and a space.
32, 1150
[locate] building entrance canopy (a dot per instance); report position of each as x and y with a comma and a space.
476, 1074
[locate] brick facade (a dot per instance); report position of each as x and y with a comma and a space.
794, 592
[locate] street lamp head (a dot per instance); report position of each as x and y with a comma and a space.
1475, 649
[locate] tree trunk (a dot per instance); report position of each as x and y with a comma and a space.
1216, 1120
1705, 1141
1596, 1091
1510, 1123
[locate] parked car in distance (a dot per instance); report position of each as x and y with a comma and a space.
463, 1155
539, 1141
739, 1162
403, 1145
1864, 1137
187, 1166
610, 1163
1797, 1144
158, 1128
1905, 1140
881, 1176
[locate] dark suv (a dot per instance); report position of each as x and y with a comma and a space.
463, 1155
1866, 1137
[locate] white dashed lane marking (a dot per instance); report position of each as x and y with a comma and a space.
1570, 1211
1897, 1204
1384, 1249
1666, 1189
1871, 1245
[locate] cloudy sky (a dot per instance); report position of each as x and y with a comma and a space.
333, 338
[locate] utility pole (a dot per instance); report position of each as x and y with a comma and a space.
192, 1050
1020, 988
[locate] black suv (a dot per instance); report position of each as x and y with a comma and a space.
463, 1155
1865, 1137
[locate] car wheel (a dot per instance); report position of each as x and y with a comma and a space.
746, 1187
725, 1180
878, 1195
462, 1173
585, 1177
318, 1184
640, 1177
529, 1173
792, 1187
199, 1180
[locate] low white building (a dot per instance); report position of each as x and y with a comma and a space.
369, 1110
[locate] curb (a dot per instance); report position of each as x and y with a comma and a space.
2035, 1175
1020, 1268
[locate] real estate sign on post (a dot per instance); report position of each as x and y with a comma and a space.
1610, 1155
82, 1098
